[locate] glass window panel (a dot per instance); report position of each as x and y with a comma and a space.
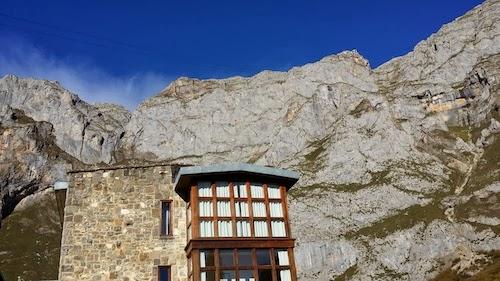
259, 209
265, 275
225, 228
275, 209
284, 275
207, 258
281, 257
226, 257
278, 228
207, 276
164, 273
222, 189
205, 208
206, 228
274, 191
165, 218
246, 275
257, 191
223, 209
204, 189
244, 257
227, 275
241, 209
263, 257
240, 190
260, 228
243, 229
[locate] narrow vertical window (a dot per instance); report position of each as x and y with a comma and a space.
241, 209
163, 273
243, 229
275, 210
259, 209
240, 190
166, 218
206, 228
206, 208
284, 275
257, 191
222, 189
223, 209
204, 189
281, 257
278, 228
274, 192
260, 228
207, 276
207, 258
225, 229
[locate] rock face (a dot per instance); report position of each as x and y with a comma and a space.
89, 133
30, 161
400, 163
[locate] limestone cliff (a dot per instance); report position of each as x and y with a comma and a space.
400, 163
89, 133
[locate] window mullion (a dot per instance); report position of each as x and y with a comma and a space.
268, 215
214, 210
250, 210
233, 211
284, 209
217, 264
273, 264
254, 264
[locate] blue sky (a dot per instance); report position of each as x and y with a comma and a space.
124, 51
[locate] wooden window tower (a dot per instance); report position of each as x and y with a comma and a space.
237, 222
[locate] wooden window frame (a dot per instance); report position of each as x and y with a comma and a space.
170, 233
254, 267
235, 242
169, 270
196, 218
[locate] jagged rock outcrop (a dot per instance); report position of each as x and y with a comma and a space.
30, 161
400, 163
82, 130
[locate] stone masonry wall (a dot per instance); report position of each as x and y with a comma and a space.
112, 224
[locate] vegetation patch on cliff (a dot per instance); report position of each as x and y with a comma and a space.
489, 272
30, 241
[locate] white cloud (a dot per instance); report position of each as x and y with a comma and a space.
87, 80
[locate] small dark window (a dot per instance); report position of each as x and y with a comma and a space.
263, 257
164, 273
207, 276
246, 275
227, 275
265, 275
166, 218
207, 258
245, 257
226, 257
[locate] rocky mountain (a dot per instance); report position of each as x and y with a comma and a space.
87, 132
400, 164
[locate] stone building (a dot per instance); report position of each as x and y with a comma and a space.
136, 223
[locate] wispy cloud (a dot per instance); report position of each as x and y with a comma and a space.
89, 81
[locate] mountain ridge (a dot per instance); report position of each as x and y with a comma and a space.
399, 163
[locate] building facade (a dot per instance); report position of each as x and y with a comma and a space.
220, 222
